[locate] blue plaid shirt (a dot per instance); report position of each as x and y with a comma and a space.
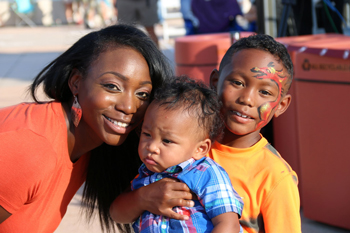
208, 180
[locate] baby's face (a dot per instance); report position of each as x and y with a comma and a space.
168, 137
251, 88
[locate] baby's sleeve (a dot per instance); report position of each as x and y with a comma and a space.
216, 193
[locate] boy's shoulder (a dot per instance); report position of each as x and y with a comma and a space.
273, 159
272, 164
261, 157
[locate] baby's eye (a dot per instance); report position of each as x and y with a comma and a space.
143, 95
166, 141
146, 134
111, 87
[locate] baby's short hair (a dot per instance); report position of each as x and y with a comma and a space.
195, 97
264, 43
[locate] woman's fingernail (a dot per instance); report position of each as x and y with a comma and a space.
191, 203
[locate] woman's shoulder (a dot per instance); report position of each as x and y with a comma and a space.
36, 130
38, 117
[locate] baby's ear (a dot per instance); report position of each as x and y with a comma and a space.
202, 149
214, 79
283, 105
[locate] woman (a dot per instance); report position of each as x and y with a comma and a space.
100, 87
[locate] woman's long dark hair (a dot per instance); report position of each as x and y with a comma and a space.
111, 168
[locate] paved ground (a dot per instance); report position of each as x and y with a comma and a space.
25, 51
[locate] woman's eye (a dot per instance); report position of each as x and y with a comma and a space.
111, 87
143, 95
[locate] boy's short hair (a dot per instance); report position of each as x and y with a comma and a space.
265, 43
195, 97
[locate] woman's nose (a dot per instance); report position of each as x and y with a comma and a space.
128, 103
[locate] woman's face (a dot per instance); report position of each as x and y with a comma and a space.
114, 95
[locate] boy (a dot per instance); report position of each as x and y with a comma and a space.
178, 128
252, 82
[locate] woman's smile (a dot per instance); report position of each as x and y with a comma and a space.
117, 126
114, 95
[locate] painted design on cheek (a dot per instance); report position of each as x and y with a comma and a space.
276, 76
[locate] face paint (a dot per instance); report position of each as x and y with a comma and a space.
275, 76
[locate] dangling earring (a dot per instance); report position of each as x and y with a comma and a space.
76, 112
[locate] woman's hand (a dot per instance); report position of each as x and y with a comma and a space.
158, 198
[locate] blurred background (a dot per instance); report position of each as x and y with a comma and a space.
315, 32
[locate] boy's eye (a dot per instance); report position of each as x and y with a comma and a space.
111, 87
264, 92
237, 83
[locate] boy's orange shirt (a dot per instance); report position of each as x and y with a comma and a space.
267, 185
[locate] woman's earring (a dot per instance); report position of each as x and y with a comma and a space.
76, 112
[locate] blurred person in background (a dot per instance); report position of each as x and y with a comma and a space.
246, 21
215, 15
190, 20
143, 12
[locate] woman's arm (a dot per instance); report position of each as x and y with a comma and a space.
3, 214
158, 198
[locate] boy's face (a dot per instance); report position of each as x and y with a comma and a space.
170, 137
251, 88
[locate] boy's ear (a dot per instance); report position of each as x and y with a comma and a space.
283, 105
202, 149
214, 79
74, 81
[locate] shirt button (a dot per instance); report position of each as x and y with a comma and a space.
159, 176
163, 226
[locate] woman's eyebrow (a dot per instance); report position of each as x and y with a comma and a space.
124, 78
116, 74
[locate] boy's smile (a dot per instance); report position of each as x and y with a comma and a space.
251, 88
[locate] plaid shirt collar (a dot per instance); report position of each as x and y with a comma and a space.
171, 170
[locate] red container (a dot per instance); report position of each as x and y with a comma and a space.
284, 127
314, 132
197, 55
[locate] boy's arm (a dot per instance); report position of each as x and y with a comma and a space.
226, 222
158, 198
281, 210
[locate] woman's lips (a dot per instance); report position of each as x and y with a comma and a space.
117, 126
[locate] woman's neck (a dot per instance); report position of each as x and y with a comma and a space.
78, 141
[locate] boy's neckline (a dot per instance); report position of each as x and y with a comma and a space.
257, 146
238, 141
